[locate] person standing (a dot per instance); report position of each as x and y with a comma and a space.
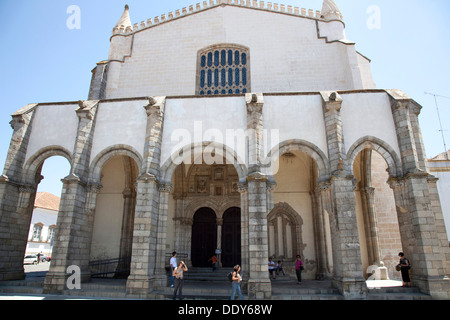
178, 274
299, 267
173, 265
236, 285
405, 266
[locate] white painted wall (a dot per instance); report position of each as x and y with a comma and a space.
286, 54
53, 125
368, 115
195, 120
296, 117
120, 122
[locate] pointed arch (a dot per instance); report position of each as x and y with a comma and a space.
188, 153
99, 161
310, 149
34, 163
383, 148
285, 232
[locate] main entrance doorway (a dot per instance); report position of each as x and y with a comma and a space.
204, 237
231, 237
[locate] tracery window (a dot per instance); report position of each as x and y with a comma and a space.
223, 69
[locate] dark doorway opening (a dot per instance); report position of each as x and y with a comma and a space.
231, 237
204, 237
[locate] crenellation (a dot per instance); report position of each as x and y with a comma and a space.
191, 9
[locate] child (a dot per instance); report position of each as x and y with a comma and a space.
214, 262
279, 268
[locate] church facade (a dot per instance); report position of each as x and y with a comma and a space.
237, 127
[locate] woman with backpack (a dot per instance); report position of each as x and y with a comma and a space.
404, 269
236, 285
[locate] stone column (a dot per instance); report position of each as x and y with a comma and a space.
370, 222
348, 273
73, 231
144, 250
16, 198
160, 272
245, 266
259, 285
219, 223
126, 238
322, 199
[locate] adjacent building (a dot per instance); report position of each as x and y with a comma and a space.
43, 224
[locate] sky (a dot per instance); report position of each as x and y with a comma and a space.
47, 55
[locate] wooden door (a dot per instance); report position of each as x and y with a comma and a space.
231, 237
204, 237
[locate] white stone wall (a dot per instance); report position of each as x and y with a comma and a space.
296, 117
155, 65
53, 125
122, 122
368, 115
202, 119
193, 120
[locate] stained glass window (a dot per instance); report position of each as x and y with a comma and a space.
224, 70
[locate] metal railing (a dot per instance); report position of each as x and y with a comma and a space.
118, 268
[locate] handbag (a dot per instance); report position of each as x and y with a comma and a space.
398, 267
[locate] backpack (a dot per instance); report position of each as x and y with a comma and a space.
230, 276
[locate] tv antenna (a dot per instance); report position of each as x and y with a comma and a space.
440, 122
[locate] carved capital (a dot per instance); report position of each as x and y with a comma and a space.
242, 187
332, 101
165, 187
155, 107
87, 109
255, 102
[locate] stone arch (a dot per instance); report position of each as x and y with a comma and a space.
219, 206
376, 204
114, 172
383, 148
310, 149
288, 243
190, 151
34, 163
116, 150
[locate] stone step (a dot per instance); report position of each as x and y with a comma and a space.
396, 293
220, 275
198, 290
98, 288
23, 283
27, 286
21, 289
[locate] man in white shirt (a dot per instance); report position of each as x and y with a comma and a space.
271, 268
173, 265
